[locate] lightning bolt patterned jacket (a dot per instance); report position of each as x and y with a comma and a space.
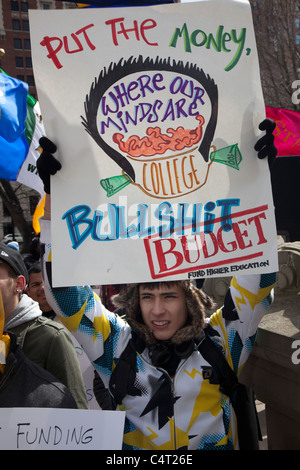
184, 411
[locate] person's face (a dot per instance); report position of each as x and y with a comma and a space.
163, 310
35, 290
10, 287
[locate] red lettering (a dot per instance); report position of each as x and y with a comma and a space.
82, 30
180, 254
135, 29
144, 27
139, 31
113, 28
66, 44
52, 53
258, 226
221, 244
161, 254
187, 250
204, 244
239, 235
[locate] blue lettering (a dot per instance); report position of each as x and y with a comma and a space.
142, 210
184, 222
113, 218
164, 230
209, 218
74, 220
226, 205
180, 219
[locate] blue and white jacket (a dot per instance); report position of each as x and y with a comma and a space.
181, 412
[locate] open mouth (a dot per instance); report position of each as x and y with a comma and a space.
160, 324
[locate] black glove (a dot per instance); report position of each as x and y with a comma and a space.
265, 145
46, 163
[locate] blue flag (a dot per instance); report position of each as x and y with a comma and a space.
13, 111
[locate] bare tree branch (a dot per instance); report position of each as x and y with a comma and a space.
276, 28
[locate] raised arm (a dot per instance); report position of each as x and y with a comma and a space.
101, 333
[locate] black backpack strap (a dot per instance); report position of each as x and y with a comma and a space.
249, 431
123, 377
101, 393
241, 396
214, 356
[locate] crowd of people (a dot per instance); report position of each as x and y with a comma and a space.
147, 361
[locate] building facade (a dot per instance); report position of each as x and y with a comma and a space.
15, 36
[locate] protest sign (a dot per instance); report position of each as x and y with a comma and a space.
60, 429
155, 111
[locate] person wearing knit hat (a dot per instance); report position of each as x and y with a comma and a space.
22, 382
43, 341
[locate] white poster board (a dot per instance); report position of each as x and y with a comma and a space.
60, 429
155, 111
86, 367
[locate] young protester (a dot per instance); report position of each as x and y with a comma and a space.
43, 341
151, 363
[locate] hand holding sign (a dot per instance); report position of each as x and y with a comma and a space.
265, 145
47, 164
